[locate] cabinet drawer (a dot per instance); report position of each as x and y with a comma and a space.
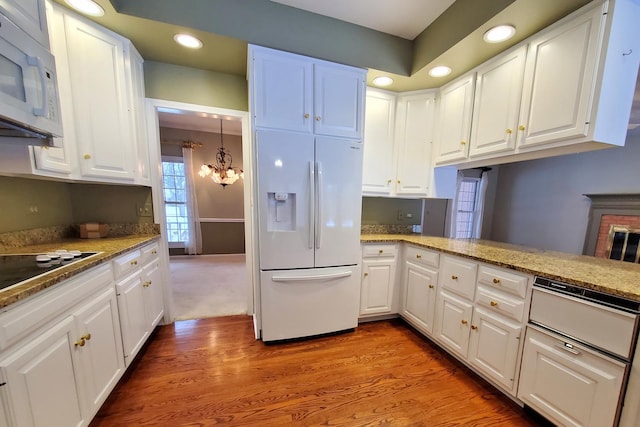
458, 275
126, 263
422, 256
501, 303
376, 251
503, 280
148, 252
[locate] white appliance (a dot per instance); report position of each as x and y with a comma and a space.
29, 104
309, 207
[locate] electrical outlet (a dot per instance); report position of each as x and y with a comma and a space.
144, 210
32, 210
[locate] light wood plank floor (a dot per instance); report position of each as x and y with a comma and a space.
212, 371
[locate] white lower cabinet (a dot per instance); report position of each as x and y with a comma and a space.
378, 287
453, 318
579, 386
62, 357
419, 296
140, 297
494, 346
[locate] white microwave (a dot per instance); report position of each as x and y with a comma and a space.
29, 103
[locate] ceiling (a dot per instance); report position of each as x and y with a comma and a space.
385, 16
423, 25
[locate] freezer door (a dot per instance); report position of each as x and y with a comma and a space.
338, 201
286, 194
303, 303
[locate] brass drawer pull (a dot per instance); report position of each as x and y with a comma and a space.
380, 251
464, 322
418, 256
493, 303
134, 262
431, 286
454, 277
496, 281
366, 274
474, 327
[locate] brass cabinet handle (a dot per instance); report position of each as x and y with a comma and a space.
521, 127
154, 252
147, 284
454, 277
463, 142
418, 256
80, 343
474, 327
388, 181
493, 303
306, 116
380, 251
496, 281
318, 118
366, 274
464, 322
134, 262
86, 337
509, 131
431, 286
87, 156
398, 181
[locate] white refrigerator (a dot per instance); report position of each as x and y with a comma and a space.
309, 209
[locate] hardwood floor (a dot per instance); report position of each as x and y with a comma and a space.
212, 371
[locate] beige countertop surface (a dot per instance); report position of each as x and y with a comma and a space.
613, 277
109, 248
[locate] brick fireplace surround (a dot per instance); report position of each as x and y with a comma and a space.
609, 210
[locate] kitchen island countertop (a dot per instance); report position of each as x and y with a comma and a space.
109, 248
604, 275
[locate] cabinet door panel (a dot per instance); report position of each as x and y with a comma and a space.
154, 300
30, 16
415, 142
377, 286
494, 347
454, 120
282, 91
577, 388
453, 317
100, 103
497, 103
338, 101
419, 296
133, 320
42, 381
559, 79
101, 356
378, 167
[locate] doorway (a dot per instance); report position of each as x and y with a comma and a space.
170, 125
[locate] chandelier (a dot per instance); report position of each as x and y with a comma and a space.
221, 171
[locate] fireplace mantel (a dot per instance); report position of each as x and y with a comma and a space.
607, 204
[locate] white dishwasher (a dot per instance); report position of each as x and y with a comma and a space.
577, 354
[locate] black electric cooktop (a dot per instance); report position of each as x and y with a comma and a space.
15, 269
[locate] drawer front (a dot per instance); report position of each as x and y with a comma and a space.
503, 280
149, 252
422, 256
501, 303
127, 263
377, 251
458, 275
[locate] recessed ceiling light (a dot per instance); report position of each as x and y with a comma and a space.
440, 71
188, 40
88, 7
382, 81
499, 34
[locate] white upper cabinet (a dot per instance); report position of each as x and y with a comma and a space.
497, 103
559, 81
454, 120
100, 103
30, 16
414, 140
378, 166
298, 93
398, 143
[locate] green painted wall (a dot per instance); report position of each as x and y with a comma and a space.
190, 85
222, 238
61, 203
385, 211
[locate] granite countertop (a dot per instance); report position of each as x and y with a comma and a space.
613, 277
109, 247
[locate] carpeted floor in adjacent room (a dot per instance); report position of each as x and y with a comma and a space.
208, 285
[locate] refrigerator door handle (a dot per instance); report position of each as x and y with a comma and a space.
319, 187
310, 192
312, 277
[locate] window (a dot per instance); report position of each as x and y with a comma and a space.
175, 199
466, 204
